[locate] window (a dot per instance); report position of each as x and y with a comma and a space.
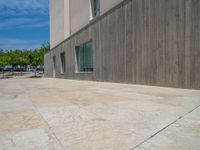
95, 6
62, 62
84, 58
54, 66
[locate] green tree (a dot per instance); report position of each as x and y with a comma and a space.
24, 57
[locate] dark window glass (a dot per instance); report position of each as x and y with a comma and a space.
95, 8
62, 60
54, 66
84, 57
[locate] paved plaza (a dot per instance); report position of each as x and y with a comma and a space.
58, 114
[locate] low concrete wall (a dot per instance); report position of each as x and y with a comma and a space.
153, 42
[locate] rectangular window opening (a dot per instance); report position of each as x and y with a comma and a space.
63, 64
84, 58
95, 6
54, 66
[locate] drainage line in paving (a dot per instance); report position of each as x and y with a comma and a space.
138, 146
49, 127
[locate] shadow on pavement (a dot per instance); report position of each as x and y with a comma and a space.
35, 77
8, 77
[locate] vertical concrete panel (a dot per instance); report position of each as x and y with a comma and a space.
194, 43
128, 42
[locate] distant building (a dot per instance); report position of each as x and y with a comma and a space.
152, 42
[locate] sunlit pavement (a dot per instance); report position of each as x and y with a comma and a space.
57, 114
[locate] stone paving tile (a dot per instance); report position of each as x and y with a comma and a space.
36, 139
21, 120
15, 105
182, 135
82, 115
108, 126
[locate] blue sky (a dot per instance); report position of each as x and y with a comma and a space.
24, 24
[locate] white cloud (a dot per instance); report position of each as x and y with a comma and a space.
20, 14
23, 7
23, 13
23, 22
9, 43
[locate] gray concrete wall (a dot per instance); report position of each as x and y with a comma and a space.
142, 42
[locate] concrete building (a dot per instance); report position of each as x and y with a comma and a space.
69, 16
153, 42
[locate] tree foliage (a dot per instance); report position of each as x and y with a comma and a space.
24, 57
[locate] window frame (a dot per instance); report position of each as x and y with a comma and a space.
77, 69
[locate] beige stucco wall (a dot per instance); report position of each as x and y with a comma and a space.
106, 5
69, 16
67, 26
79, 14
56, 22
59, 21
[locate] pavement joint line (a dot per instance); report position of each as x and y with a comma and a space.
179, 118
48, 126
